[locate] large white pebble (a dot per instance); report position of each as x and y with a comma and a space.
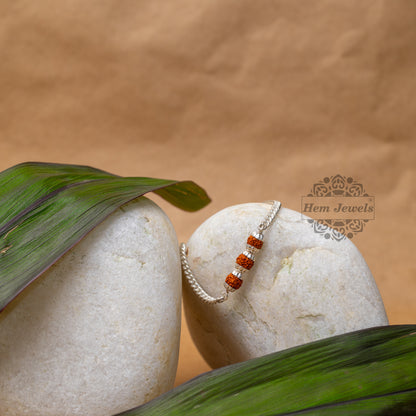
301, 288
98, 333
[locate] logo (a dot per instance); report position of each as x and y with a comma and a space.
340, 207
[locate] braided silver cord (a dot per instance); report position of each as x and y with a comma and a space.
271, 216
193, 283
189, 276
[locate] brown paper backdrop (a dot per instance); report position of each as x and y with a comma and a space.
252, 100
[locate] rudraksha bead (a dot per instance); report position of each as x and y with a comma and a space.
255, 241
233, 281
245, 260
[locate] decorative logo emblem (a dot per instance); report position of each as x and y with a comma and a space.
339, 206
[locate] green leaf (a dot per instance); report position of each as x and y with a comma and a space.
47, 208
368, 372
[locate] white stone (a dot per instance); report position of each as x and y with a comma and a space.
98, 333
301, 288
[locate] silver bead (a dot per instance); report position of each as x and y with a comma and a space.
240, 269
251, 249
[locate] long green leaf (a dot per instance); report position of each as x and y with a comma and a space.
368, 372
47, 208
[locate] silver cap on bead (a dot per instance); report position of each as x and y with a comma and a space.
249, 255
259, 236
237, 273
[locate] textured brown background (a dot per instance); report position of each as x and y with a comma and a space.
252, 100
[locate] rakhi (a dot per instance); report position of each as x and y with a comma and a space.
243, 263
